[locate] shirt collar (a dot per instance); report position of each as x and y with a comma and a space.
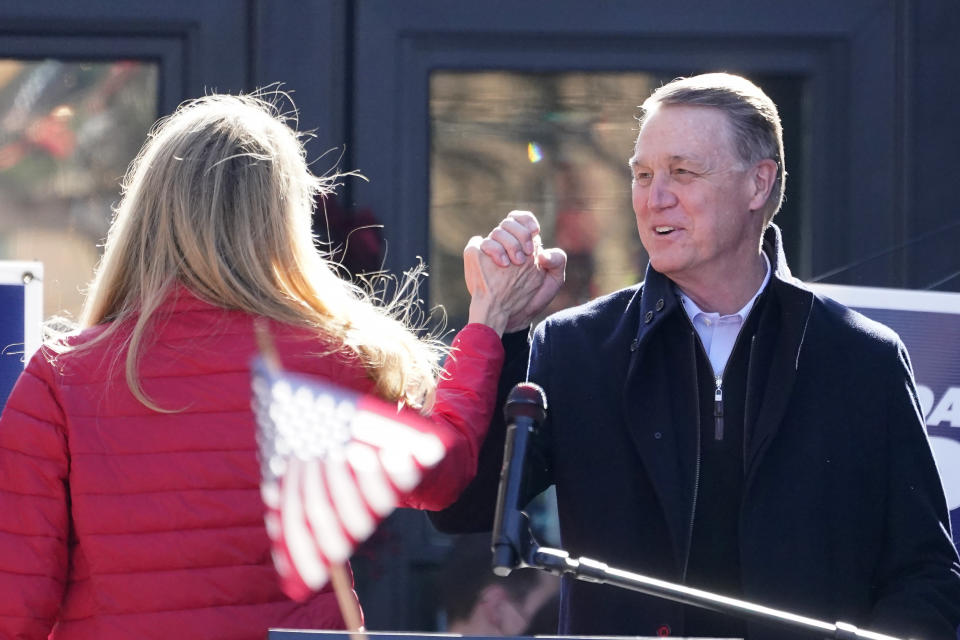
693, 310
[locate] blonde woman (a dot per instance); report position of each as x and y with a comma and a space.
128, 469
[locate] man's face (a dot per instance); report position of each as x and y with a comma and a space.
693, 196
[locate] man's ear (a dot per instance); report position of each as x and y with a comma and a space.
763, 177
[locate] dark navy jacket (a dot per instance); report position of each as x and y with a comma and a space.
843, 515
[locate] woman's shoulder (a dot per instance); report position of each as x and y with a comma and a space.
190, 336
67, 348
304, 350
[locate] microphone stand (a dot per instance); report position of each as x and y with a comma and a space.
514, 545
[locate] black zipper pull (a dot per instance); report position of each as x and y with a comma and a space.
718, 410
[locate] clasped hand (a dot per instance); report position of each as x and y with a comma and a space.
510, 276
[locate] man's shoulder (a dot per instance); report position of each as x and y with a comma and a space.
603, 323
848, 326
603, 311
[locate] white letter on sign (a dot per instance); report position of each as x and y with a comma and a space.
947, 410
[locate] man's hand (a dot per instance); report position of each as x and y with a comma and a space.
513, 244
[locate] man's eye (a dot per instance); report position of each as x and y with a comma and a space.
642, 176
684, 175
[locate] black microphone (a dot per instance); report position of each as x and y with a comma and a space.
525, 409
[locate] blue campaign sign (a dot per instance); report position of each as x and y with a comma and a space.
21, 302
11, 336
929, 325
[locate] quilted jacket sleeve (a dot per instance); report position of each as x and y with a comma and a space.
474, 509
34, 525
464, 405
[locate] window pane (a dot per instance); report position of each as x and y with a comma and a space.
68, 130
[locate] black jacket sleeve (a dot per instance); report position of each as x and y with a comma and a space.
918, 578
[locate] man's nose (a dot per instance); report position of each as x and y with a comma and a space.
660, 196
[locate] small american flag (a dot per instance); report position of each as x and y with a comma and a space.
334, 463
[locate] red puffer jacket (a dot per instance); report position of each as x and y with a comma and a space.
122, 522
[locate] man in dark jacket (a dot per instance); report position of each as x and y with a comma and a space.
720, 425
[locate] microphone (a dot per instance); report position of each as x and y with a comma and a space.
525, 409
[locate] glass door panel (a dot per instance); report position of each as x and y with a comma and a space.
68, 130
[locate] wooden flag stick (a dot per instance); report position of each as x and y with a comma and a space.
349, 607
268, 351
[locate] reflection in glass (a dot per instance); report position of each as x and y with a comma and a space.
556, 144
68, 130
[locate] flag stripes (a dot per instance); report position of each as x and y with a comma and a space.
334, 463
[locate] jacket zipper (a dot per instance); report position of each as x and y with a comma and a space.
747, 418
718, 410
718, 424
718, 381
696, 470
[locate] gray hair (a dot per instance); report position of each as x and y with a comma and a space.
754, 121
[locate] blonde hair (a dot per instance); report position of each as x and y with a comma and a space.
220, 200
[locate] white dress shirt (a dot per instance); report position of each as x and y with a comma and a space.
718, 333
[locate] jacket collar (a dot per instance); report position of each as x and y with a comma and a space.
658, 294
182, 298
795, 305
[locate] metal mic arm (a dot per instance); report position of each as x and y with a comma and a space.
559, 562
